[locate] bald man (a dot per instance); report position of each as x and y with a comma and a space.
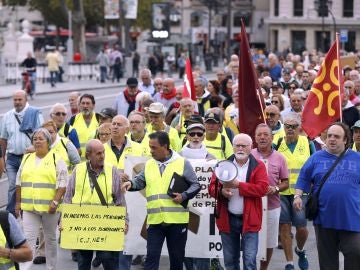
16, 130
108, 178
239, 207
168, 95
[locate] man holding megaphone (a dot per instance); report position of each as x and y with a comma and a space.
239, 207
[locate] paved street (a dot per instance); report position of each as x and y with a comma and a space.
104, 98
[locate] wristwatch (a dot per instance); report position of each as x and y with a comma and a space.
277, 188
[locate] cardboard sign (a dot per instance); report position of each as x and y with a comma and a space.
93, 227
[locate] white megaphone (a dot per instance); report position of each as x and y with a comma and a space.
225, 171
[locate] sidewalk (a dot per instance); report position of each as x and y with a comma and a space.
6, 91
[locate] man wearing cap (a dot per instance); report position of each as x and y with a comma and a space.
58, 113
156, 112
86, 121
125, 102
195, 149
105, 116
356, 136
216, 143
286, 79
277, 90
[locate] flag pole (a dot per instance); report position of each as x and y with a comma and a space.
339, 73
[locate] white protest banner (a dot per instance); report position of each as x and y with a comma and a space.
203, 237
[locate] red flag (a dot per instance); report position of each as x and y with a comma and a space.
189, 87
251, 101
323, 105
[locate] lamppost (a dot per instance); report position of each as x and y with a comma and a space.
324, 8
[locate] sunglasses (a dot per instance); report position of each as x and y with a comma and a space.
274, 102
271, 114
199, 134
59, 114
291, 126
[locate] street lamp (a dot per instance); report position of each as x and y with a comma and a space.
324, 8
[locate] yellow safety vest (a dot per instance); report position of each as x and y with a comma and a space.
61, 131
83, 192
38, 183
5, 263
182, 132
229, 122
279, 134
175, 143
130, 149
354, 148
220, 148
60, 150
85, 132
294, 160
160, 207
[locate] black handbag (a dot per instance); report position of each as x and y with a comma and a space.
312, 204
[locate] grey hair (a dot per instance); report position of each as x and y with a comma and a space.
46, 134
202, 80
293, 117
57, 105
237, 136
145, 71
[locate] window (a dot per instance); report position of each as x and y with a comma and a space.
276, 8
322, 41
298, 8
350, 45
275, 39
298, 41
348, 8
246, 16
196, 19
323, 8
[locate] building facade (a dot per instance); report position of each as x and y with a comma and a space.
297, 25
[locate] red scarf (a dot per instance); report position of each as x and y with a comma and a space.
129, 98
170, 95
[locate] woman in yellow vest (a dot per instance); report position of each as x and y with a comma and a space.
40, 185
18, 249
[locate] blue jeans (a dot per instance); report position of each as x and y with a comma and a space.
12, 166
176, 236
231, 246
197, 263
109, 259
53, 76
125, 261
103, 72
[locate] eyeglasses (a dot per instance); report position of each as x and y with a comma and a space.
347, 86
292, 87
287, 126
199, 134
59, 114
136, 122
274, 102
157, 84
271, 114
104, 134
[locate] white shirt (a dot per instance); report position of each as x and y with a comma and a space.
236, 202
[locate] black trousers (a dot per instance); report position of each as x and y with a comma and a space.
330, 242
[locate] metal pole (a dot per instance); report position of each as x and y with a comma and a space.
228, 36
70, 48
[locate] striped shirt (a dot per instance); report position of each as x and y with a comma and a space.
17, 141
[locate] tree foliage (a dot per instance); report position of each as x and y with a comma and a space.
144, 18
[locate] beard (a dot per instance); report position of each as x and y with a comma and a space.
195, 144
241, 156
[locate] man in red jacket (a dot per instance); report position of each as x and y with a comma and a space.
239, 205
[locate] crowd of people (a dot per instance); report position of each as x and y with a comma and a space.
62, 160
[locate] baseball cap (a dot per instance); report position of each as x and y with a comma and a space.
132, 82
212, 116
156, 107
195, 125
275, 85
108, 113
286, 71
356, 125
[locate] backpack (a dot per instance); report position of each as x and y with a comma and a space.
5, 226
